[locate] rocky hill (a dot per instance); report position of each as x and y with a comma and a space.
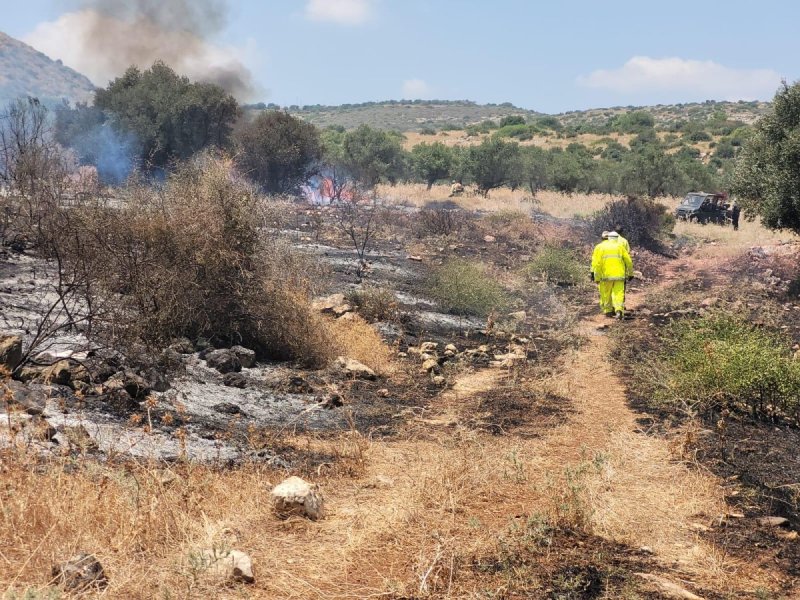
24, 71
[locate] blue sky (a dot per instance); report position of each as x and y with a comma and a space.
548, 56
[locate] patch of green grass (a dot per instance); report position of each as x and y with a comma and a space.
558, 265
467, 289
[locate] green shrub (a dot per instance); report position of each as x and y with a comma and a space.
724, 361
644, 222
465, 288
558, 265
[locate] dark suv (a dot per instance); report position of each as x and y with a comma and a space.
705, 208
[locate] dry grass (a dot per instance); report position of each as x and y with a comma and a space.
503, 199
355, 338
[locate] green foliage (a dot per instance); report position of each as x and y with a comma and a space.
491, 163
519, 131
549, 122
171, 117
465, 288
643, 221
512, 120
431, 162
373, 156
632, 121
558, 265
767, 177
278, 151
533, 168
723, 361
651, 171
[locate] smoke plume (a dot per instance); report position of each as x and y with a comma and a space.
105, 37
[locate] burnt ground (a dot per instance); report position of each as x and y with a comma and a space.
758, 460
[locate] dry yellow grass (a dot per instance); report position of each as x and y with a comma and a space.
355, 338
502, 199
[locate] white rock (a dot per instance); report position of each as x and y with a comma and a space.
669, 589
354, 368
227, 565
295, 496
428, 347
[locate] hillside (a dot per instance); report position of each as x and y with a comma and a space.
24, 71
419, 115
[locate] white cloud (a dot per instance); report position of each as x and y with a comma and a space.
343, 12
102, 47
700, 78
416, 89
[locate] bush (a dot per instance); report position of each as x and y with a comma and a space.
440, 221
643, 221
558, 265
722, 361
464, 288
374, 304
190, 260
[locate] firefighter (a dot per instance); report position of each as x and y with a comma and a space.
735, 212
611, 268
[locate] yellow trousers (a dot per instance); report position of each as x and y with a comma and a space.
612, 296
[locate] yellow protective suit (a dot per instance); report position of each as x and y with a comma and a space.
625, 243
611, 266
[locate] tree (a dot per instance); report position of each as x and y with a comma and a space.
652, 172
171, 117
431, 162
373, 156
278, 151
767, 175
491, 163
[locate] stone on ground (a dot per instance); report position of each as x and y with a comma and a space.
79, 573
295, 496
224, 361
227, 566
247, 357
669, 589
32, 401
354, 368
10, 351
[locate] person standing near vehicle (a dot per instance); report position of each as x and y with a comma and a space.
735, 211
612, 267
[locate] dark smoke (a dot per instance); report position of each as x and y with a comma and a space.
178, 32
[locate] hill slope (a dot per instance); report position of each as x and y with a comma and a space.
24, 71
418, 115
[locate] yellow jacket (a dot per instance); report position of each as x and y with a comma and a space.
611, 261
625, 243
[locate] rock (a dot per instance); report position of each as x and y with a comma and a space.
295, 496
489, 239
638, 275
669, 589
349, 316
228, 408
30, 373
224, 361
353, 368
428, 347
328, 303
709, 302
431, 366
518, 316
58, 373
773, 521
76, 436
236, 380
135, 385
383, 393
10, 351
120, 400
426, 356
298, 385
414, 258
156, 380
31, 401
247, 357
341, 310
81, 572
438, 380
227, 566
451, 348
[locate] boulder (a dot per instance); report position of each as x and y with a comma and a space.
355, 369
182, 346
328, 303
10, 351
236, 380
247, 357
431, 366
428, 347
295, 496
79, 573
227, 566
489, 239
120, 401
224, 361
32, 401
518, 316
135, 385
